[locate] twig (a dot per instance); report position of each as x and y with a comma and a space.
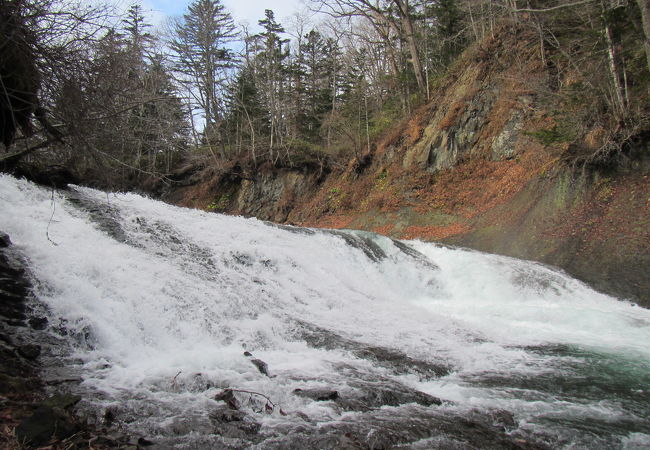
174, 379
270, 402
47, 230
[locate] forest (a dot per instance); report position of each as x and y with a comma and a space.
117, 103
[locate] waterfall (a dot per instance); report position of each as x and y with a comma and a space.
425, 345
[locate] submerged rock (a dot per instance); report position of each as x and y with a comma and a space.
38, 323
319, 395
234, 424
29, 351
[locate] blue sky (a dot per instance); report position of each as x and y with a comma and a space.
242, 10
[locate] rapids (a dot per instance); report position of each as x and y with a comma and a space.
425, 345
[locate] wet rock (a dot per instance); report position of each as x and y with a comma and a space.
371, 391
44, 424
394, 395
103, 442
228, 415
6, 338
13, 291
29, 351
394, 360
261, 365
504, 418
234, 424
4, 240
319, 395
62, 401
38, 323
228, 396
109, 417
144, 442
303, 416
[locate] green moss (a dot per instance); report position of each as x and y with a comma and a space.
551, 136
561, 193
220, 204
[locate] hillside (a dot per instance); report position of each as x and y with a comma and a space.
491, 163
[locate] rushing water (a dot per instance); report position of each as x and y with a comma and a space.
157, 305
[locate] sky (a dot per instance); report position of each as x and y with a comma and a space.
249, 11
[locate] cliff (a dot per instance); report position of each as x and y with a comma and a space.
491, 162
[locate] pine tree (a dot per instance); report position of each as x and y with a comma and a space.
318, 66
270, 62
203, 55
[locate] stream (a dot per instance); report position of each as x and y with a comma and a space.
352, 339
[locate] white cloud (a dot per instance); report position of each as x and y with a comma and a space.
250, 11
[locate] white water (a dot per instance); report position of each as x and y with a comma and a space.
175, 292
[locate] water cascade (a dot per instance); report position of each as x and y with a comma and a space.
366, 341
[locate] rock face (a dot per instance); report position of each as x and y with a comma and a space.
268, 194
271, 195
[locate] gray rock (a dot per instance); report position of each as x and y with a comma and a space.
319, 395
261, 365
228, 397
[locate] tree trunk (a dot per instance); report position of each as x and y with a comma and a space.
613, 67
407, 21
644, 6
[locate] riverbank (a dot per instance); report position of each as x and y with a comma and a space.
37, 407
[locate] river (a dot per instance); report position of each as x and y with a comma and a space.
389, 343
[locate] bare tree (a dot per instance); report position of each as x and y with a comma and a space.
394, 14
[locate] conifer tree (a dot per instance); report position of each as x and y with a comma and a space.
201, 47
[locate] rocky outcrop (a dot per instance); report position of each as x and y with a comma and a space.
266, 192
